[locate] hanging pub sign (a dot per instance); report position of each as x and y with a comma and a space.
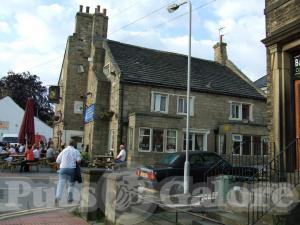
296, 65
89, 114
54, 94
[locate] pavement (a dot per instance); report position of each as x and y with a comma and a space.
49, 218
28, 199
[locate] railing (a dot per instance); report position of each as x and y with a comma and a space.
282, 171
240, 166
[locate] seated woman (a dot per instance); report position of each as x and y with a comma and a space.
11, 151
29, 157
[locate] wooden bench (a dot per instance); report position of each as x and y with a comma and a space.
36, 164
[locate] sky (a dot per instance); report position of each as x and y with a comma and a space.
33, 33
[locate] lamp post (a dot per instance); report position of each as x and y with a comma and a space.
186, 182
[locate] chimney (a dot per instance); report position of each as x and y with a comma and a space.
80, 8
87, 9
221, 51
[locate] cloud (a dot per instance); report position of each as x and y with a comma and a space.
244, 24
41, 29
4, 27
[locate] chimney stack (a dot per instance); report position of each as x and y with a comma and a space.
87, 9
80, 8
104, 12
220, 51
98, 8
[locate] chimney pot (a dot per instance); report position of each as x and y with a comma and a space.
87, 9
98, 8
80, 8
104, 12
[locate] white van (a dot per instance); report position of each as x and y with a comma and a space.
10, 138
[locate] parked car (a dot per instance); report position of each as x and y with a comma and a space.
202, 166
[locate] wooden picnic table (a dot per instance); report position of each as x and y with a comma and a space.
103, 161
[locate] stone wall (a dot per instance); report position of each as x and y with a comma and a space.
280, 13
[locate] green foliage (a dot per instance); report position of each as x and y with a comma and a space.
85, 156
21, 86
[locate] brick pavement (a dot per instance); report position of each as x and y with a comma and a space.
49, 218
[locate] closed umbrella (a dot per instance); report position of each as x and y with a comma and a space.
26, 133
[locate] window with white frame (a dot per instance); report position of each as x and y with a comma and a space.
182, 105
196, 141
130, 138
159, 102
237, 144
171, 140
240, 111
111, 142
249, 145
145, 139
158, 140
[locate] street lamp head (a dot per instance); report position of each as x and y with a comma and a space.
172, 8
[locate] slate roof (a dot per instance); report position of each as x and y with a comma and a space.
159, 68
261, 82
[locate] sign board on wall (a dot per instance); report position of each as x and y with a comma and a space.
296, 65
4, 125
89, 113
78, 107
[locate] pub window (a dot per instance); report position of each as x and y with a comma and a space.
240, 111
145, 139
257, 145
237, 144
159, 102
158, 140
182, 105
171, 145
196, 141
246, 145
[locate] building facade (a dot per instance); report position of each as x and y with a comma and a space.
73, 78
137, 96
283, 72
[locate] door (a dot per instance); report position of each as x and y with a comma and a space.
297, 115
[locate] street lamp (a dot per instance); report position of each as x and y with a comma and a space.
172, 8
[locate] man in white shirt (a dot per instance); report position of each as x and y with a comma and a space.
36, 152
67, 160
122, 155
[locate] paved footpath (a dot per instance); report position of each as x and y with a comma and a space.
49, 218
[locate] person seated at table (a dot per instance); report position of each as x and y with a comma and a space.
21, 148
29, 157
36, 152
121, 156
11, 151
50, 154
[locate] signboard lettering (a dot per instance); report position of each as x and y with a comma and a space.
296, 65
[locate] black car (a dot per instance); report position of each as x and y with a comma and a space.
202, 166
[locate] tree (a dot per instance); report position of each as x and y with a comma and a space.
22, 86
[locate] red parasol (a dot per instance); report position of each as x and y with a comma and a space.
27, 127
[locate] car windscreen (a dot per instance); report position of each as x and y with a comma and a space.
10, 139
168, 159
